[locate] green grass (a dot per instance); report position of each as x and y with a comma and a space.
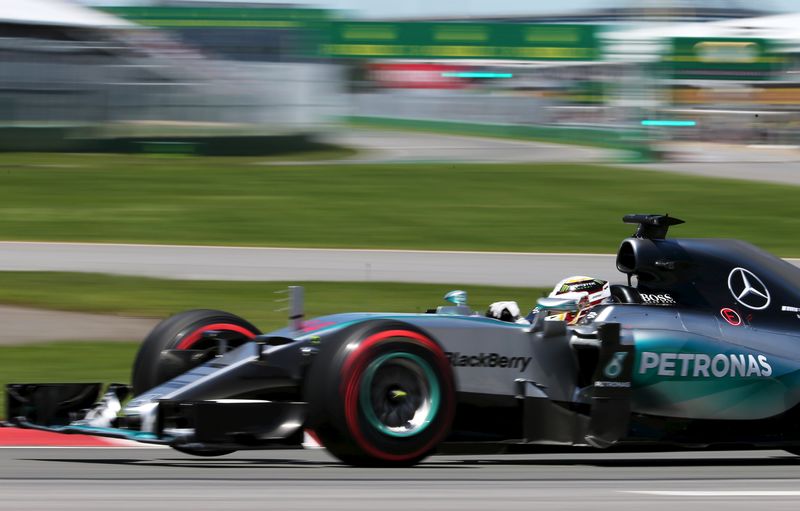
256, 301
64, 362
191, 200
111, 362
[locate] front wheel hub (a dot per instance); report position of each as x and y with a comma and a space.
400, 394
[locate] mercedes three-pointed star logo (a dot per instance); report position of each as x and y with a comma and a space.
748, 289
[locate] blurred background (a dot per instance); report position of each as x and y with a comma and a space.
173, 75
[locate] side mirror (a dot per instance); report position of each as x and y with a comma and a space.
547, 305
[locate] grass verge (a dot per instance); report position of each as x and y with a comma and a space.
519, 207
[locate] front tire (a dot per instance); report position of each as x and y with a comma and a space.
185, 331
381, 394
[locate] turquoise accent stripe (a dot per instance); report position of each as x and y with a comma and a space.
112, 432
668, 123
465, 74
681, 392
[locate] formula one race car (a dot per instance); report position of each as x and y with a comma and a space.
702, 352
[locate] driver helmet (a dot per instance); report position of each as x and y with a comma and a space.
587, 291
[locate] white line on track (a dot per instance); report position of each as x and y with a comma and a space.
721, 493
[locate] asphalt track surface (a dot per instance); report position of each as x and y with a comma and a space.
134, 479
766, 163
388, 146
297, 264
291, 264
68, 326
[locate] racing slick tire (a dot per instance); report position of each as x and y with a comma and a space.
381, 394
185, 331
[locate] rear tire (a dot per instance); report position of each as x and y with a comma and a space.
381, 394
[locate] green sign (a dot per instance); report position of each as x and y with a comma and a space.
721, 59
252, 17
429, 40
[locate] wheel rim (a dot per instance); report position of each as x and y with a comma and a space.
399, 394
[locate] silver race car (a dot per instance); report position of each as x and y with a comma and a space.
701, 350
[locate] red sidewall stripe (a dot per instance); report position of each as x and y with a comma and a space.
189, 340
356, 363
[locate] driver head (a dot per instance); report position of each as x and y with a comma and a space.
587, 291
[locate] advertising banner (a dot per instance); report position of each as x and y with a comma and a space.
691, 58
430, 40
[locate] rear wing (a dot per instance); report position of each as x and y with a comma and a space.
652, 227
